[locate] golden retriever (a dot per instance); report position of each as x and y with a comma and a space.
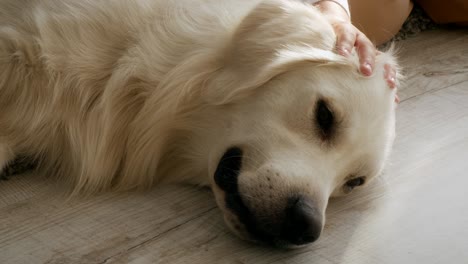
246, 96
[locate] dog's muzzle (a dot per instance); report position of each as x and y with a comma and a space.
301, 221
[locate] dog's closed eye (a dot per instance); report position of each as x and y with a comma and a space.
353, 183
324, 118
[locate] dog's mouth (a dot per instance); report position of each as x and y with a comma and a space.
226, 178
299, 221
228, 170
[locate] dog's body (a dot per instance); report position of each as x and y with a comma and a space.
124, 94
77, 79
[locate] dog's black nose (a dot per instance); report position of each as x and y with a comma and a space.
303, 221
228, 170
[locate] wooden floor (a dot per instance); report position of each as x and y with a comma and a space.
416, 213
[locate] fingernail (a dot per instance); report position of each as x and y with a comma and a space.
344, 51
391, 82
367, 69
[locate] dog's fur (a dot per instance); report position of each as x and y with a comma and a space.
125, 94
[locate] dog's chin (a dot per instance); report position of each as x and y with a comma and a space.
239, 230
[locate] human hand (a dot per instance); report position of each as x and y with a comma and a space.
349, 37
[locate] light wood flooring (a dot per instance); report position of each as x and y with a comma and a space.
416, 213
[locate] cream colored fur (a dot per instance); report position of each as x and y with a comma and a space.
123, 94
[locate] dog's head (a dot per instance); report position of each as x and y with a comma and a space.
304, 124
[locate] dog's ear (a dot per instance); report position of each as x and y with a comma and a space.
273, 38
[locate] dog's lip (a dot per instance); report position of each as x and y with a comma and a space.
225, 177
236, 206
228, 170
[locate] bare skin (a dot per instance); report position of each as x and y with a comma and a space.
349, 35
379, 20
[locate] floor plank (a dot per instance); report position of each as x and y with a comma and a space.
53, 230
434, 60
416, 213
